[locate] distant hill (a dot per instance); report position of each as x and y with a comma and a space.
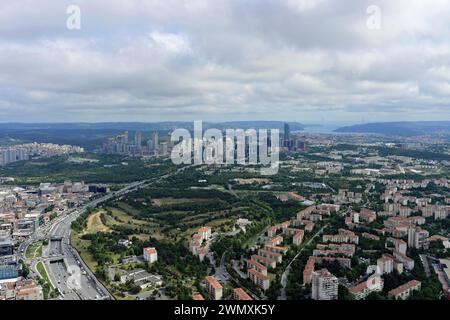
92, 135
148, 126
406, 128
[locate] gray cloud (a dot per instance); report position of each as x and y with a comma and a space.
223, 60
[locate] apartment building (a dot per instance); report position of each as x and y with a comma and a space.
308, 271
365, 288
214, 288
240, 295
197, 297
417, 237
150, 255
268, 262
252, 264
408, 263
276, 249
259, 279
324, 285
404, 291
343, 236
297, 238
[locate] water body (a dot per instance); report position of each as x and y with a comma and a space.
325, 127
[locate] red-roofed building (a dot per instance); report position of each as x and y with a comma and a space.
309, 268
214, 288
150, 255
362, 290
252, 264
241, 295
297, 239
197, 297
404, 291
259, 279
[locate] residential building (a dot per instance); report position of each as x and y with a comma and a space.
259, 279
214, 288
404, 291
324, 285
197, 297
150, 255
365, 288
241, 295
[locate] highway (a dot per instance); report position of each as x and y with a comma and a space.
90, 288
59, 255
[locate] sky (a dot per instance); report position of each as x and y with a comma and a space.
311, 61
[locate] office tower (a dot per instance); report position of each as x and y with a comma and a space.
163, 147
169, 141
287, 132
155, 141
138, 139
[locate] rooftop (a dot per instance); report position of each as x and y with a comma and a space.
213, 282
404, 287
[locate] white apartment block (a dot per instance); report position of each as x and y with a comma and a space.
150, 255
324, 285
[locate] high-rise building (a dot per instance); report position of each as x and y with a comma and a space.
125, 137
417, 237
324, 285
138, 139
287, 132
155, 141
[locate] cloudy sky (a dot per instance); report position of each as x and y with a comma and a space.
297, 60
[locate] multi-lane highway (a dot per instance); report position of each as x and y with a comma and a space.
60, 258
67, 271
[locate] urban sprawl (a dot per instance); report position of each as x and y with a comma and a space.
348, 217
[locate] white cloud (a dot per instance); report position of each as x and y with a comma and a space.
223, 59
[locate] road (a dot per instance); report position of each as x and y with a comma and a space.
59, 255
285, 275
90, 288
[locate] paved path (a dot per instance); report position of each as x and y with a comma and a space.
285, 275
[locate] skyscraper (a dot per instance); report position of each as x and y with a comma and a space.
155, 141
287, 132
138, 139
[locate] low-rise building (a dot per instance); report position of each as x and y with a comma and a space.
404, 291
197, 297
365, 288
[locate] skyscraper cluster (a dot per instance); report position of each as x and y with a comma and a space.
36, 150
122, 144
292, 143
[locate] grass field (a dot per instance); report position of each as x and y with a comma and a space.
95, 224
34, 250
43, 273
82, 247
